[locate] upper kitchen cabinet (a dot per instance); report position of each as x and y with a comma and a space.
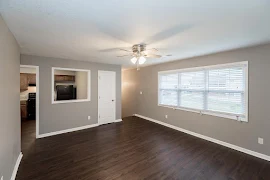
31, 78
64, 78
23, 82
26, 80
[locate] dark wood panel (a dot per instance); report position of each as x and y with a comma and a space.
32, 78
64, 78
132, 149
23, 111
23, 82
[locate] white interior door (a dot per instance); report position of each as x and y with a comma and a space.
106, 97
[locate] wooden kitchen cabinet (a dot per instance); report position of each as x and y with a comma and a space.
70, 78
31, 78
23, 82
59, 78
64, 78
23, 109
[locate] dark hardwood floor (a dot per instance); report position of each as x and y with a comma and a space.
132, 149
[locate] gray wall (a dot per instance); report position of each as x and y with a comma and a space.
57, 117
241, 134
10, 128
129, 92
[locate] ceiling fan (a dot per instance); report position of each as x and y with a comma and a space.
139, 53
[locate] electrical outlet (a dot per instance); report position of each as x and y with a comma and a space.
260, 140
89, 117
140, 92
166, 116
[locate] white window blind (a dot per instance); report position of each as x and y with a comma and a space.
226, 90
217, 90
168, 89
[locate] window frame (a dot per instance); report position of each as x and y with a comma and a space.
88, 99
238, 117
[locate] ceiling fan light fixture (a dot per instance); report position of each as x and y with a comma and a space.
139, 54
142, 60
134, 60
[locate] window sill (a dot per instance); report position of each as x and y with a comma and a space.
211, 113
70, 101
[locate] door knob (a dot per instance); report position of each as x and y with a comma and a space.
112, 100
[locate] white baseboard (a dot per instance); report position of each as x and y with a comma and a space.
72, 130
16, 167
247, 151
118, 120
67, 131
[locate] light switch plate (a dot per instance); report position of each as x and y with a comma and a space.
2, 178
140, 92
166, 116
89, 117
260, 140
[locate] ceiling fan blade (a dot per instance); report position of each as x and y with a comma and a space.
152, 49
149, 51
168, 33
152, 56
113, 49
125, 50
125, 55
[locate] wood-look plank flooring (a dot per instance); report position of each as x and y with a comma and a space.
132, 149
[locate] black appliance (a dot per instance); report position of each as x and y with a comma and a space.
74, 93
65, 92
31, 106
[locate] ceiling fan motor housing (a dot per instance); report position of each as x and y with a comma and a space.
137, 48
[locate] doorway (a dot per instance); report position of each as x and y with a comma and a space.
29, 105
106, 97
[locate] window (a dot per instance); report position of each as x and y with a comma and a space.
219, 90
70, 85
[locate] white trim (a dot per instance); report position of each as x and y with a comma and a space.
37, 95
211, 113
73, 129
67, 130
246, 91
77, 100
70, 101
244, 150
238, 117
217, 66
16, 167
70, 69
118, 120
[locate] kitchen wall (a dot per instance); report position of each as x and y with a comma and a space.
10, 127
64, 72
28, 70
238, 133
57, 117
81, 84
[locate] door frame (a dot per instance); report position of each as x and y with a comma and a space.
99, 72
37, 95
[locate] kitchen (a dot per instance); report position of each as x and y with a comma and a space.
28, 93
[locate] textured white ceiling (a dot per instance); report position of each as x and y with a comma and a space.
92, 30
